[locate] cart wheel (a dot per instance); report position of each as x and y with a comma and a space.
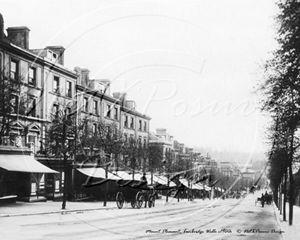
132, 204
139, 200
120, 200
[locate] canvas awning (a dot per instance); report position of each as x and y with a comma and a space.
23, 163
184, 182
165, 179
98, 172
126, 176
197, 186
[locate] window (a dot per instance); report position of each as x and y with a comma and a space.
116, 113
95, 107
55, 109
69, 89
140, 125
86, 105
31, 139
31, 109
54, 56
14, 69
56, 84
94, 128
132, 123
68, 112
145, 126
125, 121
32, 76
108, 111
14, 103
108, 130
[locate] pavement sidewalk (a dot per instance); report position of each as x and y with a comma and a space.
35, 208
290, 232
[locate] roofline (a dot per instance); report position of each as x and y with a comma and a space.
124, 109
36, 58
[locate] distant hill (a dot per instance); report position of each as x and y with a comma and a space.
228, 156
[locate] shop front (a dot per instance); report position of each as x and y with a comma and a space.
22, 177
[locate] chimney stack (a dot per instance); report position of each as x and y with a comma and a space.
19, 36
1, 27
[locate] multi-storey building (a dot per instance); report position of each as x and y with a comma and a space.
45, 85
133, 124
94, 100
164, 139
226, 168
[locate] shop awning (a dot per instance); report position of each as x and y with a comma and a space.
197, 186
165, 180
98, 172
184, 182
23, 163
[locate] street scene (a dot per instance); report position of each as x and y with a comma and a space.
200, 219
149, 119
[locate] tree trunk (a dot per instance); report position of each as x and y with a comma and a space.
284, 196
291, 195
106, 186
275, 195
280, 195
167, 195
65, 183
291, 190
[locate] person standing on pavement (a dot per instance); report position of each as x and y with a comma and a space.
262, 200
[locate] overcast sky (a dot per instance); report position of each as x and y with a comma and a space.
191, 66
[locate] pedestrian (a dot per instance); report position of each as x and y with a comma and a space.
262, 200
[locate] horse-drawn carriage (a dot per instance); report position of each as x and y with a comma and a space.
136, 192
131, 188
137, 197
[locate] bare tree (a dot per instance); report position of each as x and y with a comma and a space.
12, 103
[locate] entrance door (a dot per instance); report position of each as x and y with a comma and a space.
50, 186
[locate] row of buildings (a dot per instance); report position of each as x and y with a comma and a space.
48, 86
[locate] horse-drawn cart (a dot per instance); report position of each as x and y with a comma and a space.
136, 197
133, 191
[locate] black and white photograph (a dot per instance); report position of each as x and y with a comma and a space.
149, 119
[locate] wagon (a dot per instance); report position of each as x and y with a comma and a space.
136, 196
